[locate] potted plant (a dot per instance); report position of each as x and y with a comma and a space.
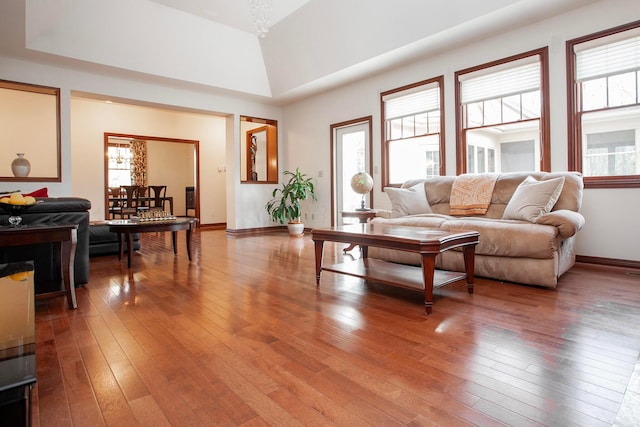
284, 207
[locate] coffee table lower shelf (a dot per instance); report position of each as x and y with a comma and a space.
391, 273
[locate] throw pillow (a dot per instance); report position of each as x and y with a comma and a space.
533, 198
408, 201
41, 192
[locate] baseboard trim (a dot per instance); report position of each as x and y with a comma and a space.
613, 262
218, 226
242, 232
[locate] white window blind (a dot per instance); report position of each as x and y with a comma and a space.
407, 103
611, 58
502, 82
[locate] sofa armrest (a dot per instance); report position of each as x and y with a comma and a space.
383, 213
568, 222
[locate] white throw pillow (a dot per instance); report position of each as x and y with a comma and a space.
533, 198
408, 201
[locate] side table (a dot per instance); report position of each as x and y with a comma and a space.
65, 234
363, 217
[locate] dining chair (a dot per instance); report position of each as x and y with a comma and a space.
158, 199
114, 200
129, 205
144, 201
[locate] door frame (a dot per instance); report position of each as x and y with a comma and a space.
196, 152
333, 128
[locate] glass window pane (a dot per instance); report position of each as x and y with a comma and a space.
471, 158
491, 160
408, 129
612, 153
531, 108
474, 114
421, 122
412, 158
434, 121
481, 159
396, 129
622, 89
504, 148
511, 108
493, 111
594, 94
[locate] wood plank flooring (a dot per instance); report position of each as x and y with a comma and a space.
241, 336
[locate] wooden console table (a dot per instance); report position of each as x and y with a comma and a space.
33, 234
428, 242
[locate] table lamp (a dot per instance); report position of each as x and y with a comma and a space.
362, 183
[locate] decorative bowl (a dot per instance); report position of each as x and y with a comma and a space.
15, 211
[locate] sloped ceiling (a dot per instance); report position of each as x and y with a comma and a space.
312, 45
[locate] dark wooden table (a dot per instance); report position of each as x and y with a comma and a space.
428, 242
127, 227
33, 234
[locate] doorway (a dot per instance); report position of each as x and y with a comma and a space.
169, 161
351, 153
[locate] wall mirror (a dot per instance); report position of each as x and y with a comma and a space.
148, 162
30, 125
258, 150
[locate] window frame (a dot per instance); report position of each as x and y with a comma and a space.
574, 123
545, 133
385, 142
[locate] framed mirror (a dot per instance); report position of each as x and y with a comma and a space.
258, 151
29, 129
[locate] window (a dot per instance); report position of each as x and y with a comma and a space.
502, 105
413, 146
119, 164
604, 106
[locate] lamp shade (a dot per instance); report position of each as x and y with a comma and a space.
361, 183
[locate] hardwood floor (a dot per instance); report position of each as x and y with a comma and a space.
242, 336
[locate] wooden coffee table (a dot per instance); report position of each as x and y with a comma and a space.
128, 227
428, 242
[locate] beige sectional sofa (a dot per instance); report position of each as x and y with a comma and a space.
536, 248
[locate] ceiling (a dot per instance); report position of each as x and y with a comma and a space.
312, 45
234, 13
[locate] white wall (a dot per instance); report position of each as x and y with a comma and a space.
83, 170
611, 215
173, 164
90, 119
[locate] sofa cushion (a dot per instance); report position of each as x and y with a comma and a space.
408, 201
533, 198
420, 220
507, 238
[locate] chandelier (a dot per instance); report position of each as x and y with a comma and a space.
260, 11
